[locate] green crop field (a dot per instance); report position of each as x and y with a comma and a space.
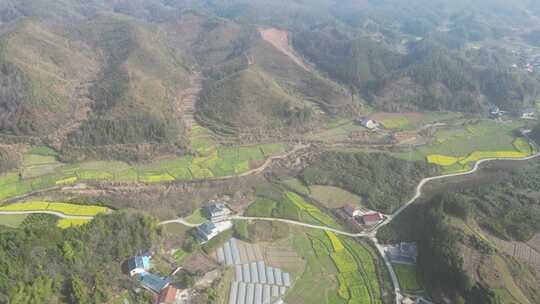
312, 214
197, 217
456, 148
41, 170
407, 278
354, 268
65, 208
67, 223
333, 197
12, 221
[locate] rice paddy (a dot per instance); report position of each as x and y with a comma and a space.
68, 223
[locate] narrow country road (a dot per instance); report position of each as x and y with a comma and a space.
58, 214
179, 221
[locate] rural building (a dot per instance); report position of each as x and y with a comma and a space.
352, 211
210, 230
404, 253
528, 113
372, 219
218, 212
370, 124
153, 282
138, 265
168, 295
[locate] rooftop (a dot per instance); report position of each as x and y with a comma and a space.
154, 282
139, 262
167, 295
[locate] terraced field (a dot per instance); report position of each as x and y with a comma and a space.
42, 171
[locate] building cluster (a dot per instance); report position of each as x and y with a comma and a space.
217, 213
526, 113
160, 287
528, 63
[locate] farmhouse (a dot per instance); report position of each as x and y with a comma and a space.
210, 230
218, 212
404, 253
153, 282
528, 113
372, 218
370, 124
352, 211
138, 265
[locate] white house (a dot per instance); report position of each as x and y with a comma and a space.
528, 114
370, 124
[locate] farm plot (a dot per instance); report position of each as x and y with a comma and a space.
65, 208
407, 278
457, 148
310, 212
333, 197
12, 221
67, 223
356, 274
42, 171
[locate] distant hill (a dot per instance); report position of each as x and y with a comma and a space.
95, 77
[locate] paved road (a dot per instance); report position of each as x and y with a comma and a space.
58, 214
179, 221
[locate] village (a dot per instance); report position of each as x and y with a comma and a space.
254, 281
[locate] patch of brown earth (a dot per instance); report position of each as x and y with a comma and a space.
280, 40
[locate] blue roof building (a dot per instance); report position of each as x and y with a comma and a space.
153, 282
138, 265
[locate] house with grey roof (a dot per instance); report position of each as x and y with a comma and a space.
218, 212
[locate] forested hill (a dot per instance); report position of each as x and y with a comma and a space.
106, 78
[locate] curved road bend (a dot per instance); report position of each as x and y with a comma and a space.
58, 214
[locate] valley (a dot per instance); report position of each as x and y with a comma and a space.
269, 152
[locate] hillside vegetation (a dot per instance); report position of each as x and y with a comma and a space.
383, 182
456, 232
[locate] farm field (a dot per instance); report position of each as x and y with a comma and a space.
309, 213
197, 217
456, 148
407, 278
344, 262
65, 208
412, 120
333, 197
67, 223
44, 171
12, 221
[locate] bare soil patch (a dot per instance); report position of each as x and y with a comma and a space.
280, 40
